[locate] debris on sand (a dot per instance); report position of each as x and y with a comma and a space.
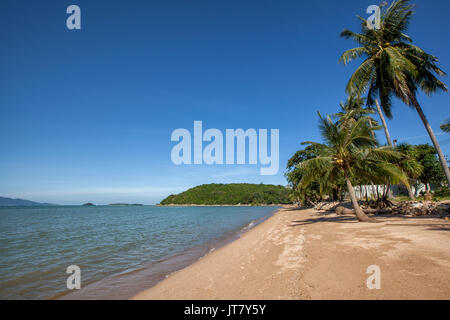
407, 208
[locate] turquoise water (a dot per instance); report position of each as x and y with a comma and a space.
122, 248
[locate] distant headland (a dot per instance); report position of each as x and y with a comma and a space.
21, 202
90, 204
243, 194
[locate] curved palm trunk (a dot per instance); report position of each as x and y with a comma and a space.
434, 140
358, 211
387, 188
388, 139
371, 127
386, 132
383, 121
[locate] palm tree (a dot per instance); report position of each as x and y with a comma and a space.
445, 126
410, 165
383, 121
350, 151
357, 103
394, 67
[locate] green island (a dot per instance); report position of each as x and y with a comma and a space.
231, 194
88, 204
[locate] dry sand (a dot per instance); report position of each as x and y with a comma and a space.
306, 254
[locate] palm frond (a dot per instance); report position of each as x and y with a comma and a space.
352, 54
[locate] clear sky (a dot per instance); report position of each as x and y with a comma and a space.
87, 115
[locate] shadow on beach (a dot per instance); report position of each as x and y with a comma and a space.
335, 219
387, 219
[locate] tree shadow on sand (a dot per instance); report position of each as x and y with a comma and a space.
335, 219
431, 226
330, 216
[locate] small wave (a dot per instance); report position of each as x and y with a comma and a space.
248, 226
130, 252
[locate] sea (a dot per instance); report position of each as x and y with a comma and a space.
119, 250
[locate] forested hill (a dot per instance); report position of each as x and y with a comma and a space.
20, 202
231, 194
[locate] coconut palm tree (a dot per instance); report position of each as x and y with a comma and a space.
350, 151
410, 165
394, 67
357, 103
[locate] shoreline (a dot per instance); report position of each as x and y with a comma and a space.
121, 284
221, 205
308, 254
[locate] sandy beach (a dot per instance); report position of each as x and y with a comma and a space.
310, 254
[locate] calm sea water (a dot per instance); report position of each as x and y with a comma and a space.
120, 250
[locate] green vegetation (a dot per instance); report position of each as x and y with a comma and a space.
394, 67
446, 125
443, 193
421, 198
439, 195
418, 162
425, 156
350, 154
231, 194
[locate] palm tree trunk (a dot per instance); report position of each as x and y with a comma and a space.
390, 195
360, 215
371, 127
373, 190
386, 131
434, 140
410, 193
383, 121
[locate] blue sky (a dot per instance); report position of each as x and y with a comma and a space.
87, 115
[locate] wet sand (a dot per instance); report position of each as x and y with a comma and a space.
307, 254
